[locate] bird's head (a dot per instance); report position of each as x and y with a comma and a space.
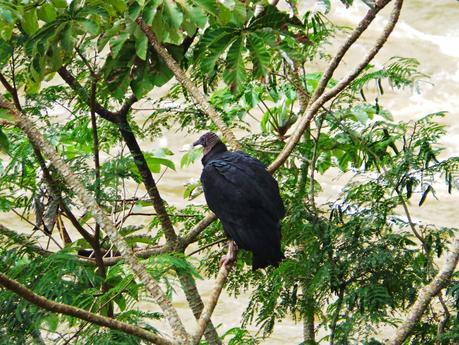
208, 141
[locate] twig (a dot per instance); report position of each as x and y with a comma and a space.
207, 246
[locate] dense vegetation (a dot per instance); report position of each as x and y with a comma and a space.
353, 265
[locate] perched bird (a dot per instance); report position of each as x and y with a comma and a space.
245, 197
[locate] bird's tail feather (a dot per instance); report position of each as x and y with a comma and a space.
262, 261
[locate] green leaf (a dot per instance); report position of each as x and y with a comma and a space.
4, 142
47, 12
59, 3
30, 22
235, 74
191, 156
271, 18
141, 86
195, 15
117, 43
89, 26
260, 55
67, 39
209, 6
150, 10
154, 163
5, 52
213, 43
141, 47
172, 15
6, 15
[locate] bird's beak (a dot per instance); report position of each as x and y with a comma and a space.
198, 143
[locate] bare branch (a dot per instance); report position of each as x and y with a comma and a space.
427, 293
181, 76
65, 309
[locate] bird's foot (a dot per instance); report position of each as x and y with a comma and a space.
229, 258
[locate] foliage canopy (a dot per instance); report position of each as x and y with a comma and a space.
353, 265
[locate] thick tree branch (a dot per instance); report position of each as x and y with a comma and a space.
181, 76
65, 309
319, 101
147, 179
195, 302
88, 201
213, 299
427, 293
120, 119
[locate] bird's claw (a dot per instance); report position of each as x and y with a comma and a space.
229, 258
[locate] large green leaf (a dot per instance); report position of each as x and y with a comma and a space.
235, 74
260, 55
30, 22
173, 16
47, 13
5, 52
4, 142
154, 163
209, 6
213, 44
271, 18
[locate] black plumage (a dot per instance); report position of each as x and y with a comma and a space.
246, 199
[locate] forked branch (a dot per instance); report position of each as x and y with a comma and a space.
318, 101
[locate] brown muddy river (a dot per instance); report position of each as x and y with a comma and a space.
428, 31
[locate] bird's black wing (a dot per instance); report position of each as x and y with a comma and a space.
238, 184
245, 197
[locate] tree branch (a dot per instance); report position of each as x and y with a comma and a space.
427, 293
181, 76
65, 309
213, 299
88, 201
361, 27
315, 105
99, 109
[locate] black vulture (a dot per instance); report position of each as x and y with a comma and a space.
245, 197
